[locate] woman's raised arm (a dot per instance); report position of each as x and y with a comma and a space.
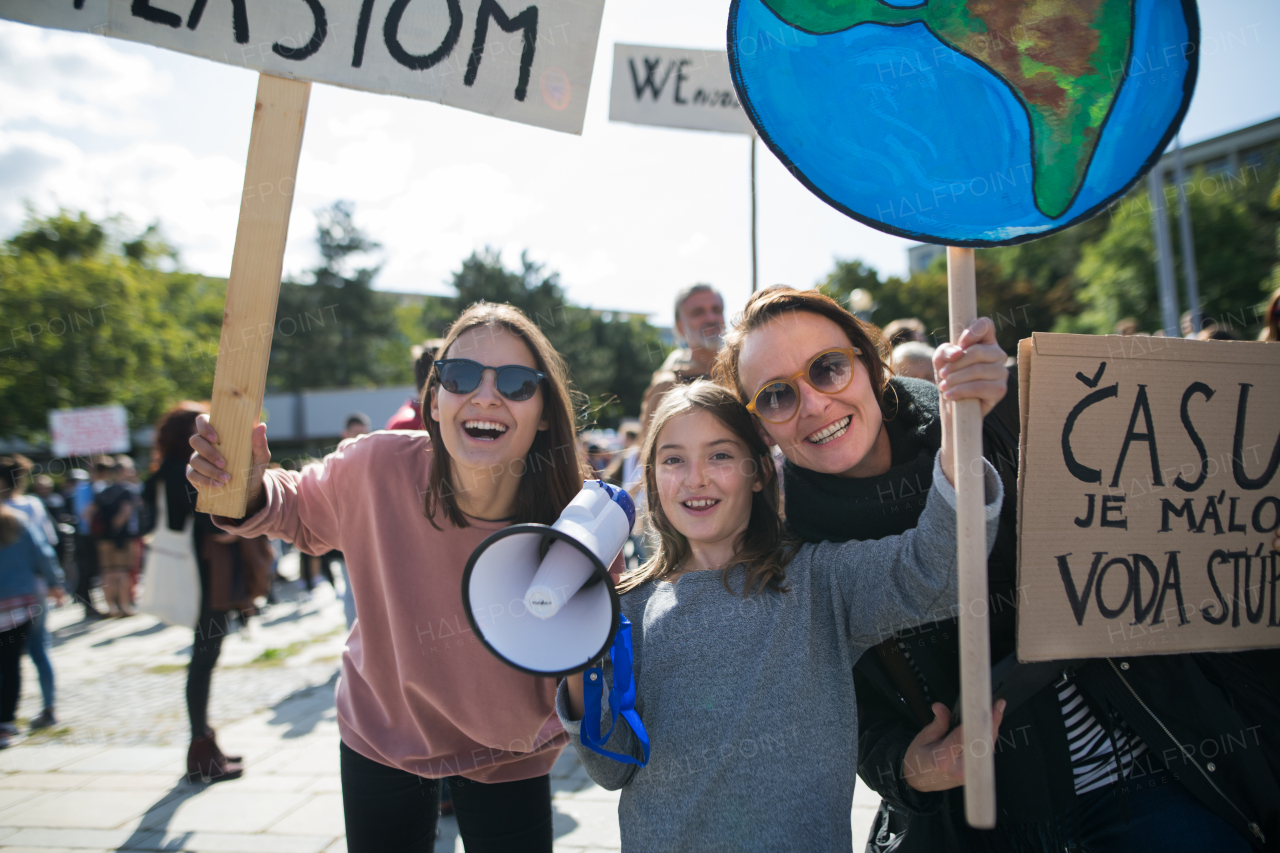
207, 468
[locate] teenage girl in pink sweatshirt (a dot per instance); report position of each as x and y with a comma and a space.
420, 699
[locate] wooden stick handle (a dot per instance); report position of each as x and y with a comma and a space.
275, 143
975, 637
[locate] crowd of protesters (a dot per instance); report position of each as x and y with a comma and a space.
402, 509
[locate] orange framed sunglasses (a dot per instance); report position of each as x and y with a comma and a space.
828, 372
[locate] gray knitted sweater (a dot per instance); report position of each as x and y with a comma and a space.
749, 702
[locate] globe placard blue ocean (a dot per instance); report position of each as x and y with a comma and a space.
966, 122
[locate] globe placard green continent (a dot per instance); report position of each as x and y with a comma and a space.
1066, 64
1064, 59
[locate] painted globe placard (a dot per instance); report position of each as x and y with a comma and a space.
966, 122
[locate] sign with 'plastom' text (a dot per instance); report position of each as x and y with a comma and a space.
513, 59
1149, 496
675, 87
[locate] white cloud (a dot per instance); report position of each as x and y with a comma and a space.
73, 81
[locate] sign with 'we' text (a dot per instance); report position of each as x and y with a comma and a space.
675, 87
1149, 496
527, 62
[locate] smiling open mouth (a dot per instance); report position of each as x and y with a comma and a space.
831, 433
484, 430
700, 503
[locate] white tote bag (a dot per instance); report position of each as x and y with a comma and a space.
172, 592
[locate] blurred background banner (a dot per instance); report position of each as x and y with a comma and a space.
89, 430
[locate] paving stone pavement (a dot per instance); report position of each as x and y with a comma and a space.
109, 777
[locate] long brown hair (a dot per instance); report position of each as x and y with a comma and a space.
780, 300
175, 428
1271, 331
552, 472
766, 547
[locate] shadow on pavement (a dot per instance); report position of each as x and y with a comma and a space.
155, 820
70, 632
145, 632
301, 711
296, 616
562, 824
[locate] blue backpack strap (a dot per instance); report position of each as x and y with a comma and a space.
622, 700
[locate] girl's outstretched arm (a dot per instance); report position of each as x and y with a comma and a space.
883, 586
605, 772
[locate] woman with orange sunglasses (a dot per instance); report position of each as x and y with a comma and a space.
859, 446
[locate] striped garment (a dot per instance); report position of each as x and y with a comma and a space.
1093, 762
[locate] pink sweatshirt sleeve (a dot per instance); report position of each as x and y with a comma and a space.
302, 507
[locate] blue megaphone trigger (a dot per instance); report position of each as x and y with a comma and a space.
622, 499
622, 698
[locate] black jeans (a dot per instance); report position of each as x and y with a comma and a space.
12, 644
86, 571
205, 649
392, 811
1162, 815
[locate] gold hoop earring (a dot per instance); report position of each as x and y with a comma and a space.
897, 402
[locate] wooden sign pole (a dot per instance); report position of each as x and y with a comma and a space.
754, 264
279, 118
975, 637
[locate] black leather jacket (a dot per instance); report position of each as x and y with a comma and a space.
1180, 705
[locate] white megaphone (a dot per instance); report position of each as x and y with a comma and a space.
540, 598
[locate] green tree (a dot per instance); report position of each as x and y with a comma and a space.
85, 323
427, 319
611, 358
921, 296
1233, 227
338, 332
1089, 277
1023, 288
1272, 283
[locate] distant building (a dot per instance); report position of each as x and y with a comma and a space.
1239, 153
920, 257
321, 415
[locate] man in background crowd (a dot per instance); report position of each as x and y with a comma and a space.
357, 424
699, 325
87, 487
409, 416
114, 524
914, 359
905, 330
625, 470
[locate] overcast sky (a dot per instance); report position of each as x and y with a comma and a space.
627, 214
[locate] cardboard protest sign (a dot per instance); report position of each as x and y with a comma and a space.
89, 430
675, 87
529, 62
971, 123
1149, 496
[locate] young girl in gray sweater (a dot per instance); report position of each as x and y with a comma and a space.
744, 643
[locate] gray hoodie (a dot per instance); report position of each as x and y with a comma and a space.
749, 702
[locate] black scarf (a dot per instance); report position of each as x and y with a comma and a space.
828, 507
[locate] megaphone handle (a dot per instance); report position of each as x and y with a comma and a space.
621, 701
